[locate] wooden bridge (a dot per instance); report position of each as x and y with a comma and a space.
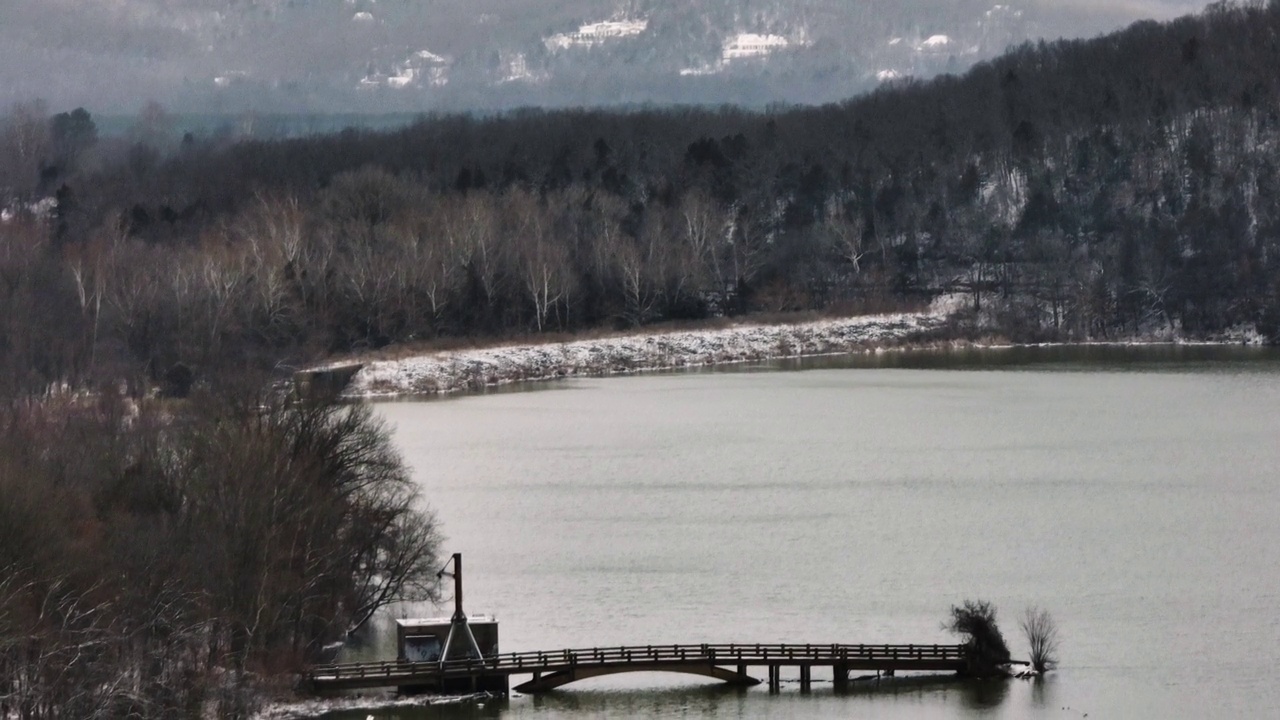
550, 670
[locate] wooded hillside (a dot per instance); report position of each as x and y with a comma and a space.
1074, 190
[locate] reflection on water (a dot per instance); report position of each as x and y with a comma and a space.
985, 694
1042, 358
715, 700
1042, 691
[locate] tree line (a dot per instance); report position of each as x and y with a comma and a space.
1073, 190
166, 557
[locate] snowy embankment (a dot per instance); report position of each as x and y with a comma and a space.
304, 709
452, 371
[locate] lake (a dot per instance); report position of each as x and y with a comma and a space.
1134, 493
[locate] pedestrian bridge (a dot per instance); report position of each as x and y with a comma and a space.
548, 670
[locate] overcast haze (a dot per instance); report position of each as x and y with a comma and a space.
414, 55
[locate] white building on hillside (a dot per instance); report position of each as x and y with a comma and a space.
599, 33
747, 45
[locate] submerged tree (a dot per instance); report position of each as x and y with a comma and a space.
1042, 637
985, 648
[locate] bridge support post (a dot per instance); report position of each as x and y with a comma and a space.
742, 671
775, 678
806, 678
840, 677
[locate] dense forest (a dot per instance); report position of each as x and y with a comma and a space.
1075, 190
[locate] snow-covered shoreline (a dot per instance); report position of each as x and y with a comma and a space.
460, 370
451, 371
303, 709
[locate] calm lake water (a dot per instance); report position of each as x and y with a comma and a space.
1133, 493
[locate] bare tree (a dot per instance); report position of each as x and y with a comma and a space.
473, 223
748, 243
1042, 637
846, 237
641, 294
274, 233
544, 267
428, 262
93, 271
705, 231
675, 268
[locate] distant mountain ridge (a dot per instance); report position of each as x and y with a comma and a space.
412, 55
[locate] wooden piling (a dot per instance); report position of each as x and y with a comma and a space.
840, 677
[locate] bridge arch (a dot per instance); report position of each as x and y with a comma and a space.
559, 678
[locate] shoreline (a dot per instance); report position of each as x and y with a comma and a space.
454, 371
304, 709
446, 372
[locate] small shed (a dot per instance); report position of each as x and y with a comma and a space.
423, 639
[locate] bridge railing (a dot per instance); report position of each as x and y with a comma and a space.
720, 653
731, 653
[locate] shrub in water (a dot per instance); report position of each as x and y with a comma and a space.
985, 648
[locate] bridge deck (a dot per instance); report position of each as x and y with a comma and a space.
575, 664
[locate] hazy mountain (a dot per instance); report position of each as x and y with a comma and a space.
389, 55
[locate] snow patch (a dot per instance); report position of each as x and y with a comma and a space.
315, 708
887, 75
935, 42
230, 78
437, 76
1003, 10
403, 79
362, 16
1005, 194
1021, 671
42, 209
516, 69
700, 71
950, 304
1245, 334
446, 372
421, 67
